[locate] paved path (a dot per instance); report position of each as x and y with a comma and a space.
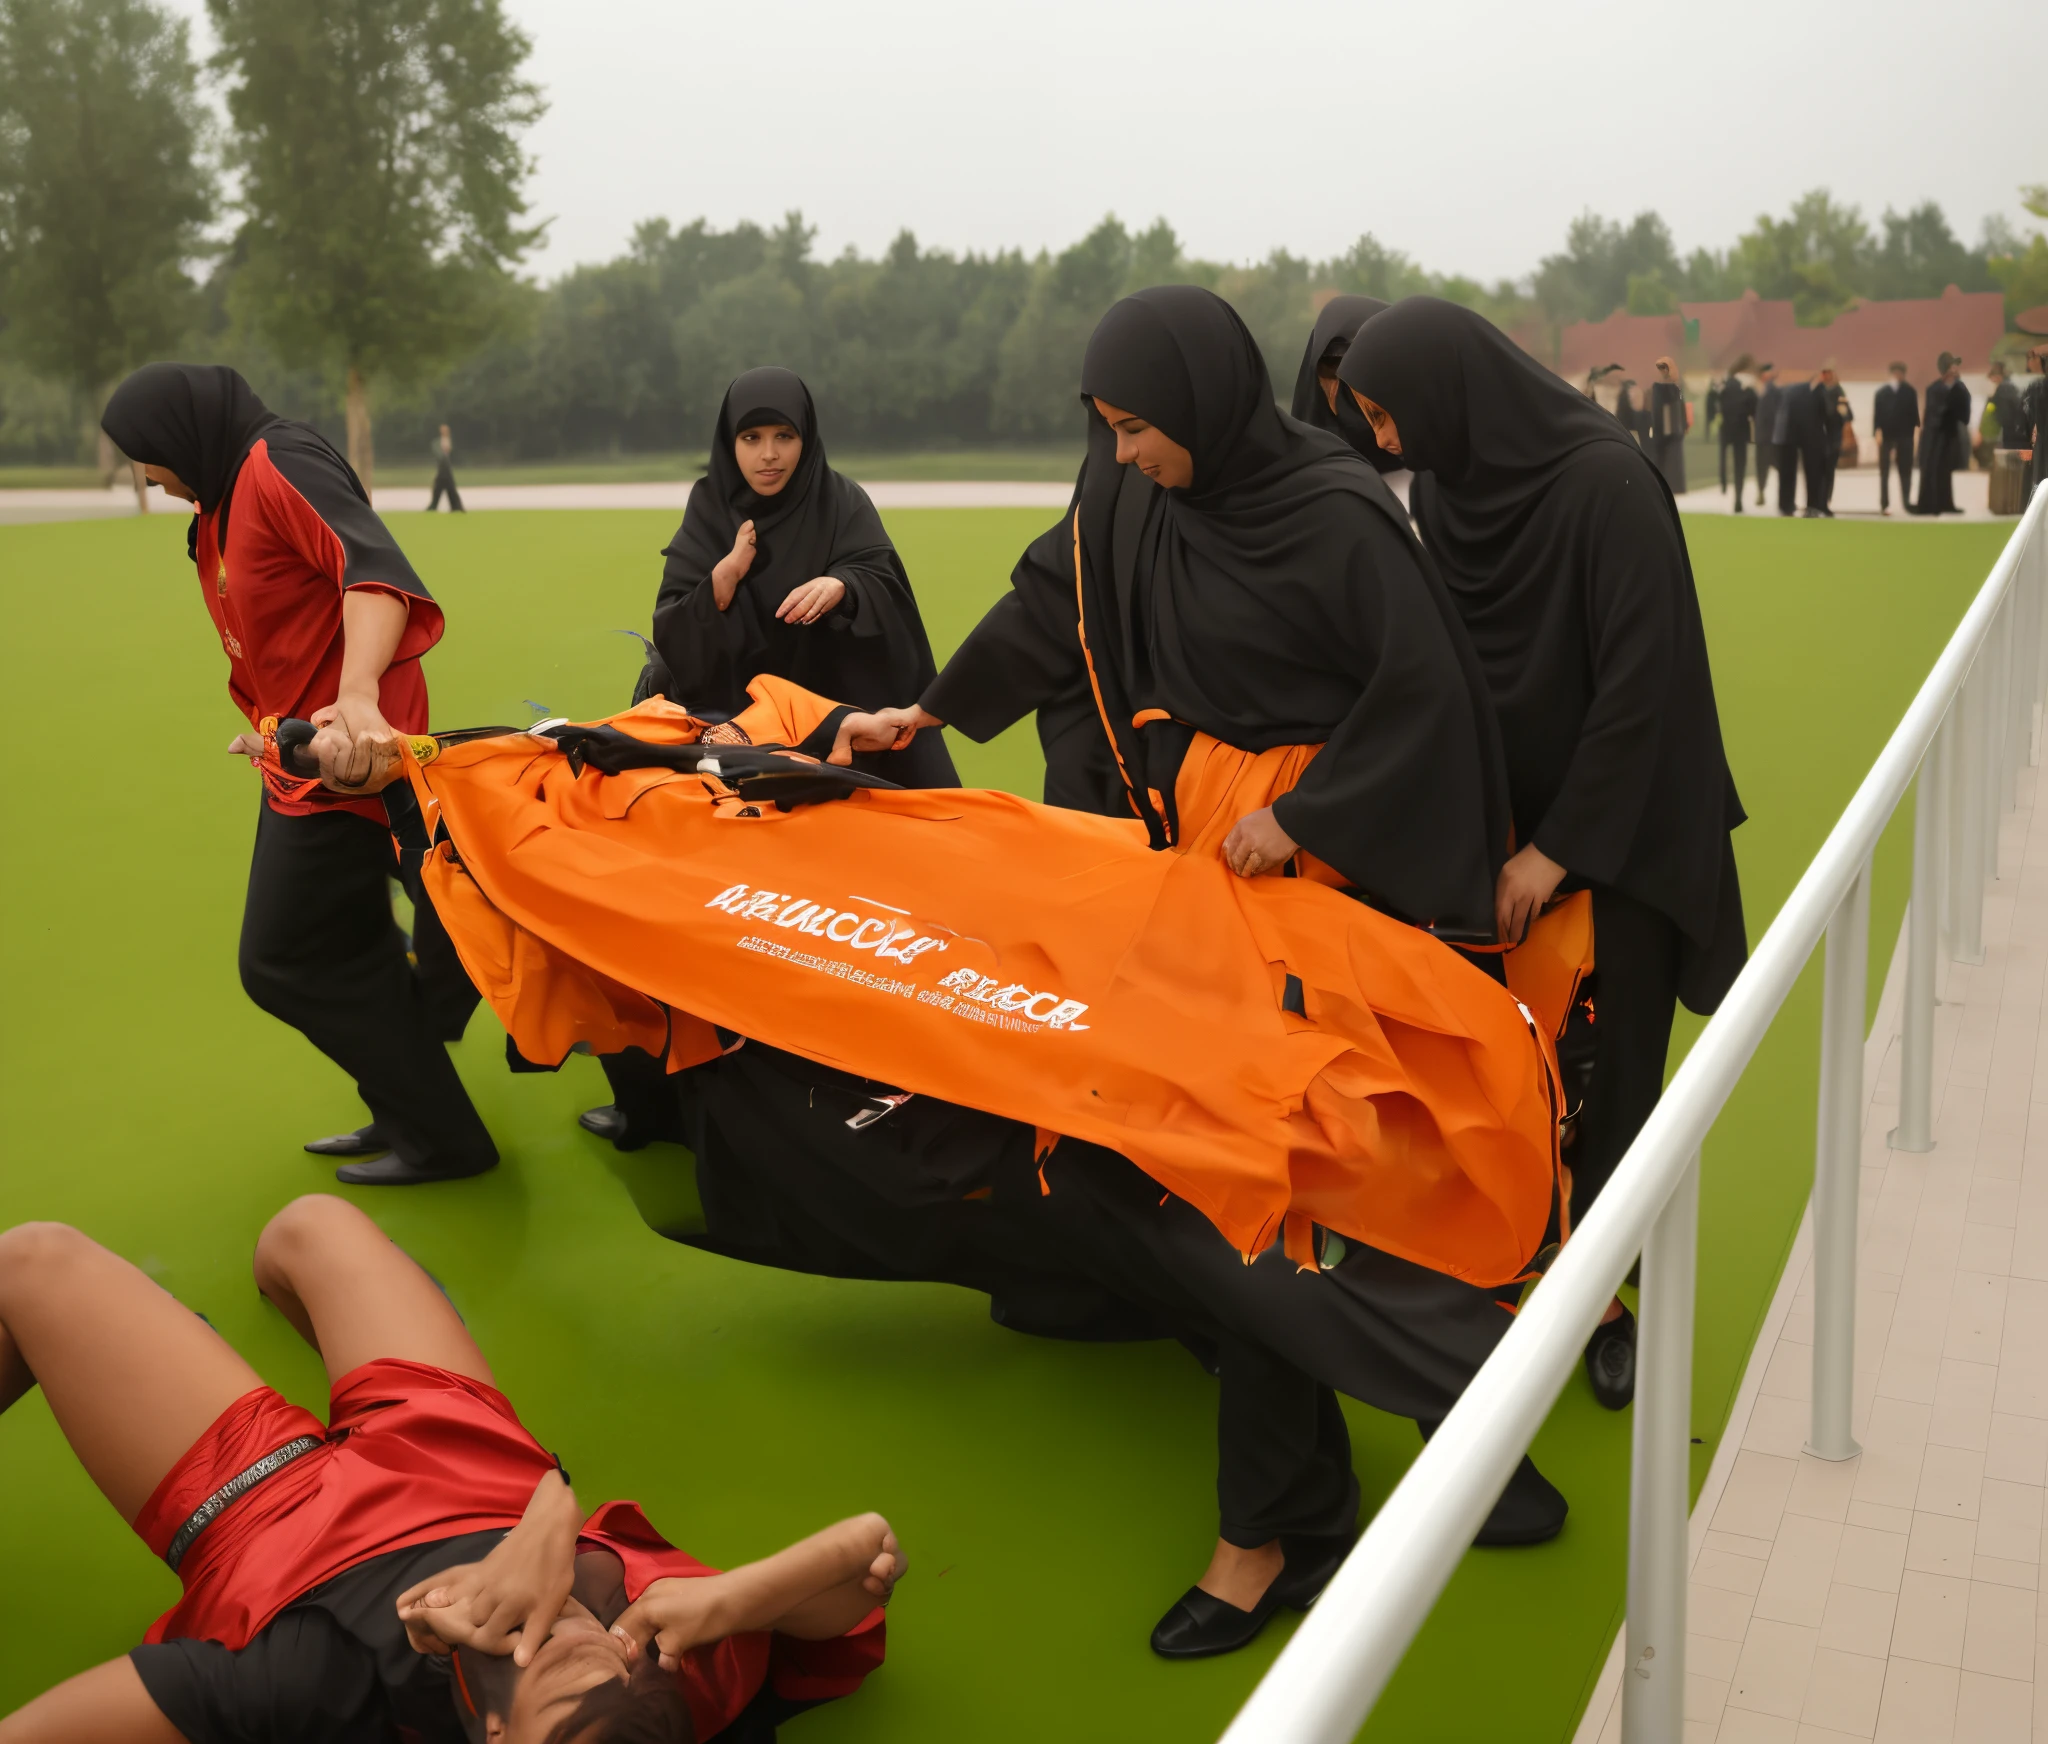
1896, 1596
1855, 498
82, 505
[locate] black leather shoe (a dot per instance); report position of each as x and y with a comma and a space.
1611, 1361
1200, 1625
607, 1122
1531, 1510
365, 1141
392, 1170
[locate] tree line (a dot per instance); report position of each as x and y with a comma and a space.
348, 231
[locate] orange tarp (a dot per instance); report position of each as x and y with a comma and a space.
1036, 963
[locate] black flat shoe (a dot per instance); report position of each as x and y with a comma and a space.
1611, 1361
1200, 1625
392, 1170
1531, 1510
607, 1122
365, 1141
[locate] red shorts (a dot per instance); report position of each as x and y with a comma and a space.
409, 1454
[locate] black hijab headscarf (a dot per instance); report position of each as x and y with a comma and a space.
1279, 599
1337, 324
871, 650
1562, 548
198, 419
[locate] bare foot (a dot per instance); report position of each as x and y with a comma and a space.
1241, 1577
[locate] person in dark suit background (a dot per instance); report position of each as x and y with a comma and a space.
1769, 396
1668, 418
1832, 406
1941, 438
1735, 401
1797, 437
1895, 415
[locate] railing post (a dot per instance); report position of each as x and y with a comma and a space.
1660, 1473
1915, 1131
1966, 846
1837, 1172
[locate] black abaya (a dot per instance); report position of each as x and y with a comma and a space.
1279, 600
869, 650
1563, 551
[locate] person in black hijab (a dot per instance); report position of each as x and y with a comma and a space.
323, 618
1670, 417
1563, 549
1246, 577
1247, 580
782, 566
1317, 401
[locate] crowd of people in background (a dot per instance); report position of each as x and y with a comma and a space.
1804, 431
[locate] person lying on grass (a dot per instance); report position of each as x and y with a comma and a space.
415, 1568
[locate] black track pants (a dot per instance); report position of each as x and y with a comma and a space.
321, 950
1637, 950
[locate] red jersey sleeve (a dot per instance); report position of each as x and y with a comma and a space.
320, 509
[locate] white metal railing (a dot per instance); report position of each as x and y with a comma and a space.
1977, 714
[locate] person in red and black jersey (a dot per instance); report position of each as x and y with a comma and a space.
322, 618
416, 1569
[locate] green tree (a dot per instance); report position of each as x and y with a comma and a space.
1817, 255
1590, 280
381, 181
1921, 256
2022, 272
104, 188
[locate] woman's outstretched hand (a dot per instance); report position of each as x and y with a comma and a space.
809, 603
886, 731
1527, 882
1258, 844
508, 1602
731, 569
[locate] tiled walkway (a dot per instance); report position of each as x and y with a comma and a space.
1894, 1596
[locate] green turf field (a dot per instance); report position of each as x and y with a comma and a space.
1053, 1498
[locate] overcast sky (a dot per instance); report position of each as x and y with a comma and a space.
1467, 135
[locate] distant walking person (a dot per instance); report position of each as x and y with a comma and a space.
1670, 418
1769, 397
1832, 406
444, 476
1895, 416
1941, 436
1736, 403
